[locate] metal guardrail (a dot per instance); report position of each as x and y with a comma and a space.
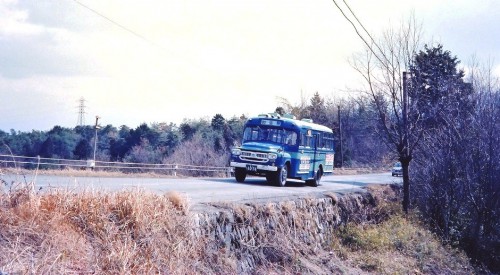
33, 162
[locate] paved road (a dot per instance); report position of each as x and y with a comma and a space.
202, 190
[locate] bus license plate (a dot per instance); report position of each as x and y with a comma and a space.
251, 168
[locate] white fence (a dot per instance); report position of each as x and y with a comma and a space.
166, 168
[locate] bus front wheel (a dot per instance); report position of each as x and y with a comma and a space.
240, 174
280, 176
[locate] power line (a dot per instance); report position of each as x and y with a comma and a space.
361, 36
366, 31
163, 49
117, 24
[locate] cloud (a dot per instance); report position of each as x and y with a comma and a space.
169, 60
27, 103
31, 47
55, 15
40, 54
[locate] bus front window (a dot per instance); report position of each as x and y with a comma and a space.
273, 135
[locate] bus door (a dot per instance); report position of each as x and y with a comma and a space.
315, 141
307, 152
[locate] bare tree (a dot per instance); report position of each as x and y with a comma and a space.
299, 110
382, 66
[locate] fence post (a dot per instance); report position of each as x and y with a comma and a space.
175, 170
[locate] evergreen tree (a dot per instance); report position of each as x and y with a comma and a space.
317, 109
60, 143
47, 148
83, 149
117, 149
187, 131
169, 139
437, 86
218, 122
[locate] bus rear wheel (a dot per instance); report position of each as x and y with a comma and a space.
317, 179
240, 174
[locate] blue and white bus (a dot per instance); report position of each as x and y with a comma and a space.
282, 148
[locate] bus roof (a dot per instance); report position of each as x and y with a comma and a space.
289, 123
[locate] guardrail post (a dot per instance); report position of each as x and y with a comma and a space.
175, 170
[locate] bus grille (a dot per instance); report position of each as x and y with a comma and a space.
253, 156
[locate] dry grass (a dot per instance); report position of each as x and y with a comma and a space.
179, 201
397, 246
88, 173
332, 196
135, 232
392, 243
358, 171
92, 232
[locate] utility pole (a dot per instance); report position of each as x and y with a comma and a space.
95, 138
405, 157
340, 139
405, 114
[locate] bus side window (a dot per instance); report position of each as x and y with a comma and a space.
281, 136
328, 141
326, 137
321, 141
303, 139
291, 138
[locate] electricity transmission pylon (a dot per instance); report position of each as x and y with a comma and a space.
81, 112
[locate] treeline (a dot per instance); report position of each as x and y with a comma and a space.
204, 142
194, 142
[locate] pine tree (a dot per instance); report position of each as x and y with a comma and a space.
437, 86
317, 109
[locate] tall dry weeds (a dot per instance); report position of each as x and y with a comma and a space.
95, 232
136, 232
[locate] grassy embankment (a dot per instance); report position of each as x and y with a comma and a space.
142, 233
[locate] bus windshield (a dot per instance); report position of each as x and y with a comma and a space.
264, 134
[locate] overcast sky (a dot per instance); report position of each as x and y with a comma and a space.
164, 61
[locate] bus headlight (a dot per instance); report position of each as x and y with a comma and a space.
272, 156
236, 152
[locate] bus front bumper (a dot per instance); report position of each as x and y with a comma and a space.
253, 167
